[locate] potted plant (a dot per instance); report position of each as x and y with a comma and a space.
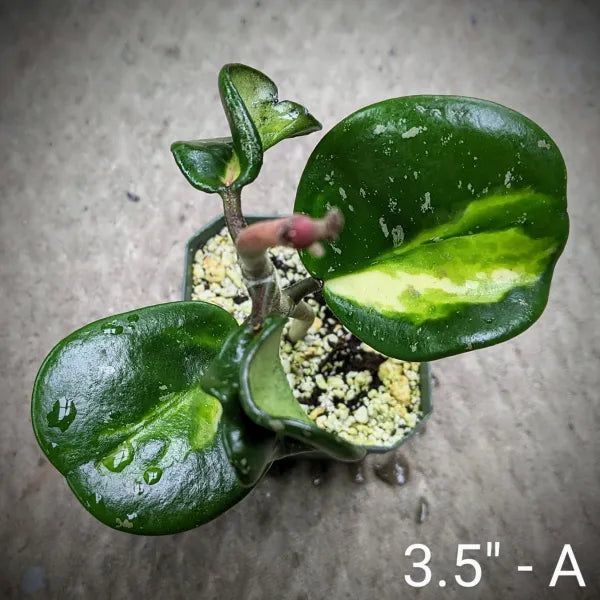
343, 384
430, 225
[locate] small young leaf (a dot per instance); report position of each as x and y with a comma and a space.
257, 121
245, 137
209, 165
455, 215
118, 409
256, 118
274, 120
267, 399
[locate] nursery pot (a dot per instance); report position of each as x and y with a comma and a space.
201, 237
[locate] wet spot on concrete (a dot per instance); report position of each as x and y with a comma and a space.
357, 471
318, 471
422, 510
394, 470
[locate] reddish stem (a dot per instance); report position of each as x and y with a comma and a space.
298, 231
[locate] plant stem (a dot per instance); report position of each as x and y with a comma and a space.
260, 277
303, 313
303, 288
304, 317
232, 209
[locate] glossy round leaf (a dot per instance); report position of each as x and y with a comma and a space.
455, 215
118, 409
267, 399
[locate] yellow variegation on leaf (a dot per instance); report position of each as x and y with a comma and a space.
455, 216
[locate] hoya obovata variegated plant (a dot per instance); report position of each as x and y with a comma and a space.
454, 215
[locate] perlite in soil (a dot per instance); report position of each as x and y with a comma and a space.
343, 385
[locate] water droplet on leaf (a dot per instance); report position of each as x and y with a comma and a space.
152, 475
120, 458
62, 414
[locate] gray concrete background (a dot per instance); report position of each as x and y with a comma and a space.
91, 95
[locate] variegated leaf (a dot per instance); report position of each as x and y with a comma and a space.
455, 216
118, 409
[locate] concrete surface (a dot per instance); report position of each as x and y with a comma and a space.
91, 95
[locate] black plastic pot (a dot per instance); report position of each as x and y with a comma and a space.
200, 238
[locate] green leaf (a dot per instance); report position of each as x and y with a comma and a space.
256, 117
257, 121
267, 399
274, 120
245, 137
209, 165
455, 215
250, 448
118, 409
